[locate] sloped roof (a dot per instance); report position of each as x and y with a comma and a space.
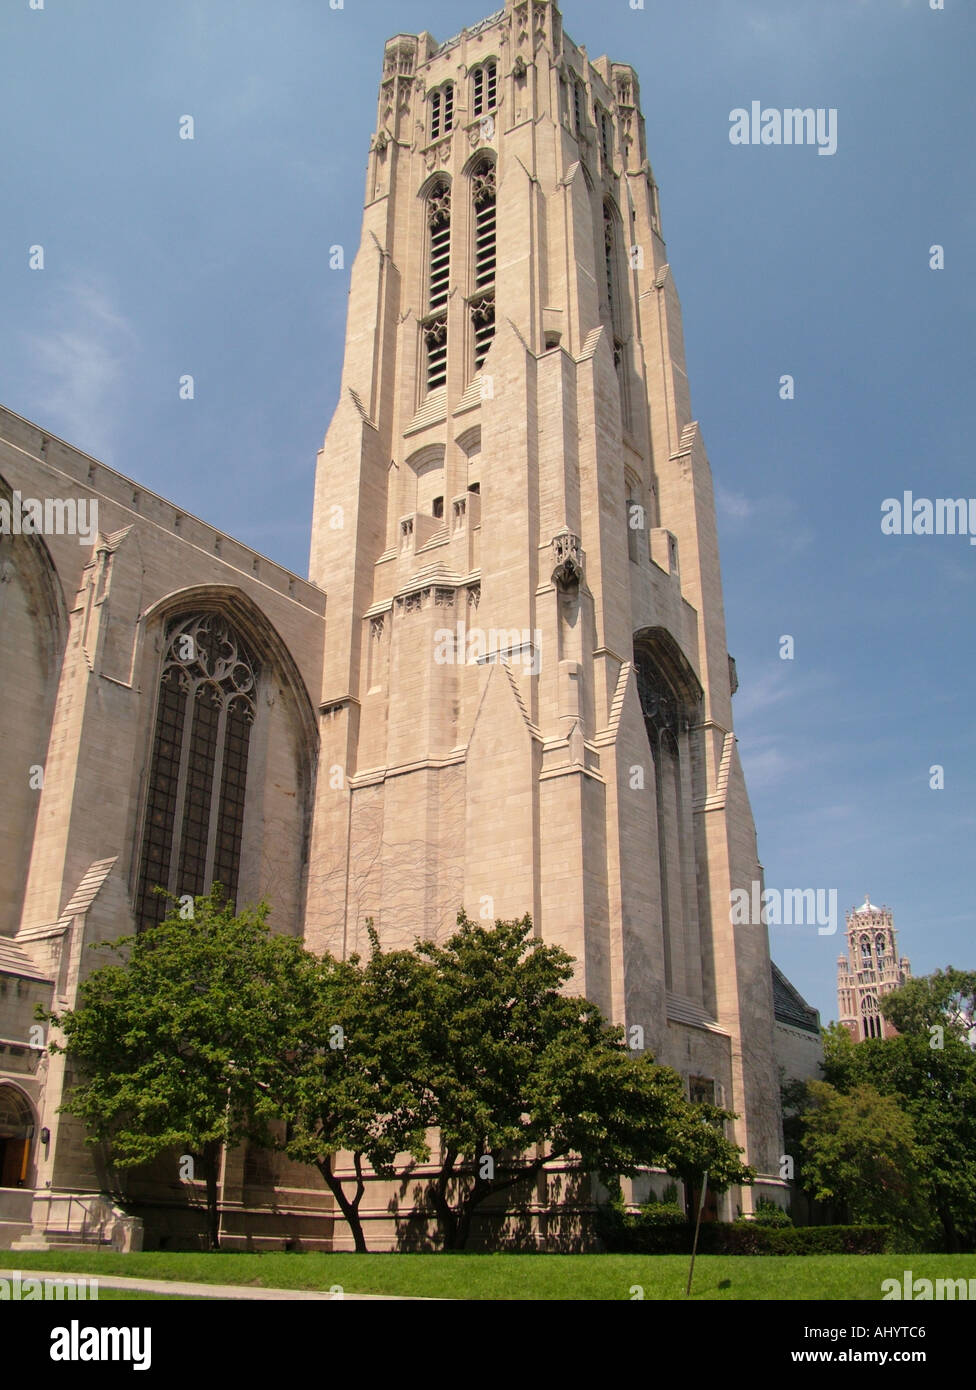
14, 960
87, 890
790, 1007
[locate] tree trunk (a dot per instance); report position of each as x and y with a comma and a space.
948, 1225
483, 1188
445, 1214
211, 1164
348, 1207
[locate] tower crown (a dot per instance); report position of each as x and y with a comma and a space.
870, 969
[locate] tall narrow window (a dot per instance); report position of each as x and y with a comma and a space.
195, 807
635, 529
610, 243
442, 111
667, 711
483, 301
609, 257
439, 221
603, 126
485, 94
438, 283
579, 106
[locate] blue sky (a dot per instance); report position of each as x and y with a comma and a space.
165, 256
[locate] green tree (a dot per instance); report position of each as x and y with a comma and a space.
174, 1045
859, 1149
935, 1086
519, 1075
353, 1076
945, 999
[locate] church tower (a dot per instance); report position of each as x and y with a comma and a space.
527, 694
871, 969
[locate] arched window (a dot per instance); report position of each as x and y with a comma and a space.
483, 189
871, 1018
485, 88
579, 107
195, 803
438, 283
442, 111
662, 722
610, 261
606, 136
865, 952
879, 945
611, 244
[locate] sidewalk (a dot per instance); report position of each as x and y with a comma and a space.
245, 1291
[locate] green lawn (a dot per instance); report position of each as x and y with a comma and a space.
521, 1276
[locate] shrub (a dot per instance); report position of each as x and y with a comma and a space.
628, 1233
661, 1214
769, 1214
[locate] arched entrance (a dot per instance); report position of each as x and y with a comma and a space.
16, 1135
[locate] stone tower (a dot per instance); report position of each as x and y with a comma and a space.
871, 969
527, 693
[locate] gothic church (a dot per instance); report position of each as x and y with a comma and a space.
505, 684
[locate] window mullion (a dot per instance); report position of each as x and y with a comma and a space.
215, 790
174, 863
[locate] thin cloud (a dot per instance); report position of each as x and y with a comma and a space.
78, 364
734, 505
765, 766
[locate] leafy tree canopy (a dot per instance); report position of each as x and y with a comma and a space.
170, 1045
944, 999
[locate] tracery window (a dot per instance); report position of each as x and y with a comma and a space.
482, 305
438, 282
198, 772
871, 1017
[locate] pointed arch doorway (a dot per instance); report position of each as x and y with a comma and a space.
16, 1136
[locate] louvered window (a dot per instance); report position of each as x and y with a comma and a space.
483, 301
442, 111
485, 88
438, 285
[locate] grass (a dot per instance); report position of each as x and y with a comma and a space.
523, 1277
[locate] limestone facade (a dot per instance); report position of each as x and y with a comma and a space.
505, 685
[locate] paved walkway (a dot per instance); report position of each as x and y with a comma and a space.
178, 1286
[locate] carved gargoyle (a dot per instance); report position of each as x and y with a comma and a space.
568, 559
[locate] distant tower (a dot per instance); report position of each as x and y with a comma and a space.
870, 969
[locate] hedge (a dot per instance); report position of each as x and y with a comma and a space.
631, 1234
